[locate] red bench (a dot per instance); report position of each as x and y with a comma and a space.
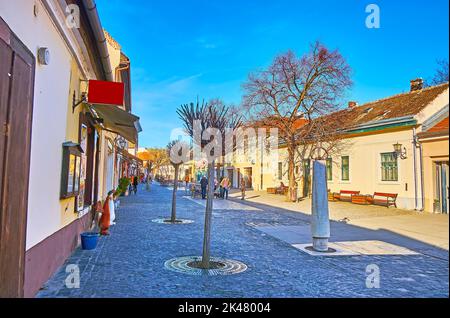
345, 195
384, 199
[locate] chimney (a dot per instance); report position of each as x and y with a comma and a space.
352, 104
416, 84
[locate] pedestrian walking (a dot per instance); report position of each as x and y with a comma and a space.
135, 184
203, 185
242, 185
186, 183
225, 184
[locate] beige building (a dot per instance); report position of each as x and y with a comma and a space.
434, 147
384, 149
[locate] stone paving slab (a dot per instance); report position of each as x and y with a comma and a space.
220, 204
430, 228
130, 262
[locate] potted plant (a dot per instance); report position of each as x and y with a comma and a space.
436, 205
122, 189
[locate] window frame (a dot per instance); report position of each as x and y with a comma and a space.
329, 169
347, 166
383, 165
280, 170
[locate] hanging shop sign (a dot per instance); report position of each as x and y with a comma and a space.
108, 93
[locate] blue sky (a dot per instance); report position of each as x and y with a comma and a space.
181, 49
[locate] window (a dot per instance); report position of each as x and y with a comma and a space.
280, 171
345, 168
329, 169
389, 167
245, 145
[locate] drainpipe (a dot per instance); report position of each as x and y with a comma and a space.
422, 208
416, 203
99, 35
416, 145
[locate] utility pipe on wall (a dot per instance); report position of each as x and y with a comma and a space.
96, 26
415, 168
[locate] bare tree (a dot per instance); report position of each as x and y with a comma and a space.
441, 75
214, 115
294, 89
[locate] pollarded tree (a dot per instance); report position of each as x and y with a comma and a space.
207, 124
294, 89
176, 165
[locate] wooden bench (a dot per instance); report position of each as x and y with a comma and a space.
345, 195
282, 190
331, 196
384, 199
272, 190
362, 199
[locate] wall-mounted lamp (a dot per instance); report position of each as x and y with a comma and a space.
399, 152
44, 56
120, 142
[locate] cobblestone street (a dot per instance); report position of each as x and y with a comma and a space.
130, 262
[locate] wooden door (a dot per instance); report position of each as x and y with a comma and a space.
16, 106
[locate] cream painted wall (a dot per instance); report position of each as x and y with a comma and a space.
49, 116
440, 102
365, 167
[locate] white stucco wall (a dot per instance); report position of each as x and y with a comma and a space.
49, 115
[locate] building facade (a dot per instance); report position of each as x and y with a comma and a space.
49, 51
387, 146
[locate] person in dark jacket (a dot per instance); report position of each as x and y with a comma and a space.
204, 185
135, 184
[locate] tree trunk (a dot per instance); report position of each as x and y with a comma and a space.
208, 216
173, 217
292, 193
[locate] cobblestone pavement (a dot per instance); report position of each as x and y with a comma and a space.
130, 262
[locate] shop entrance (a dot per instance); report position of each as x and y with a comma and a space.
441, 197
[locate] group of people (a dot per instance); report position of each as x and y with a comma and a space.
221, 188
133, 185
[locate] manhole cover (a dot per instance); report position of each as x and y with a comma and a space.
167, 221
220, 266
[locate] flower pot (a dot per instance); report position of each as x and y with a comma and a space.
89, 240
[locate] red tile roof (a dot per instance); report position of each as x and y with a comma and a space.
440, 126
406, 104
438, 130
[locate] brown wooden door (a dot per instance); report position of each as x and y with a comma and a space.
16, 106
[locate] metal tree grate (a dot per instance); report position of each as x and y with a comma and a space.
167, 221
227, 266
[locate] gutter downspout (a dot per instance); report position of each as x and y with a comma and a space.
417, 144
415, 168
96, 26
422, 208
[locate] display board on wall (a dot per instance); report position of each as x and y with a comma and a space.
83, 145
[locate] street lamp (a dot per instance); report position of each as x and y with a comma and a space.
399, 152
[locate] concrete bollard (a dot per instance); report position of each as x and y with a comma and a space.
320, 221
